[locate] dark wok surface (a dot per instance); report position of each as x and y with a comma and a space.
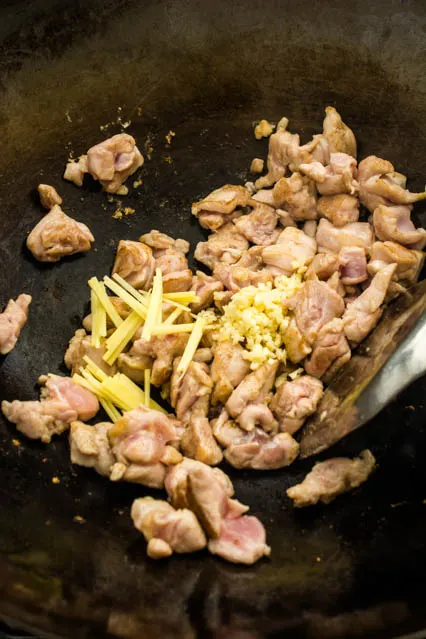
206, 70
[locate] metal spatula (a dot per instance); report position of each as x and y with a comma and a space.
390, 359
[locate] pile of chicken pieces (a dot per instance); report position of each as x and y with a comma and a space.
304, 213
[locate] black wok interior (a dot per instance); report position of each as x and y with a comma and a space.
206, 70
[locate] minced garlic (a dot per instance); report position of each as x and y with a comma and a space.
257, 319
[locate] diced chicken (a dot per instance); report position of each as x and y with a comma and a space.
203, 355
380, 184
58, 235
257, 415
409, 262
113, 161
254, 389
241, 540
75, 170
80, 345
49, 197
205, 287
331, 350
222, 298
297, 195
394, 223
353, 265
314, 305
165, 529
170, 258
339, 209
139, 442
331, 239
259, 226
322, 266
198, 442
61, 402
265, 196
362, 315
246, 272
335, 283
227, 245
339, 176
294, 401
90, 447
257, 165
12, 321
331, 478
221, 206
190, 393
157, 353
259, 451
296, 346
310, 228
339, 136
293, 249
135, 263
228, 370
176, 483
160, 242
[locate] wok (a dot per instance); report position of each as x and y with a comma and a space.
205, 70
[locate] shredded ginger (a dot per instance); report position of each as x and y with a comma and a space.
257, 319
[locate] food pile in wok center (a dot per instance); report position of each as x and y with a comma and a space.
298, 275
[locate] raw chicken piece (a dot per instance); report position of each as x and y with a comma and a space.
160, 242
331, 478
297, 195
135, 263
75, 170
339, 136
294, 401
57, 235
227, 245
241, 541
139, 442
259, 226
331, 350
113, 160
176, 483
157, 353
203, 355
409, 262
310, 228
90, 446
61, 402
49, 197
257, 415
79, 346
170, 258
380, 184
165, 529
190, 393
322, 266
362, 315
394, 223
296, 346
254, 389
205, 287
335, 283
314, 305
265, 196
331, 239
339, 176
246, 272
228, 370
258, 451
198, 442
339, 209
222, 298
12, 321
353, 265
293, 249
221, 206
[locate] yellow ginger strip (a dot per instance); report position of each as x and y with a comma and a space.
94, 369
134, 304
78, 379
166, 329
147, 387
132, 386
184, 297
141, 297
99, 325
174, 315
100, 291
121, 337
192, 345
112, 412
154, 303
